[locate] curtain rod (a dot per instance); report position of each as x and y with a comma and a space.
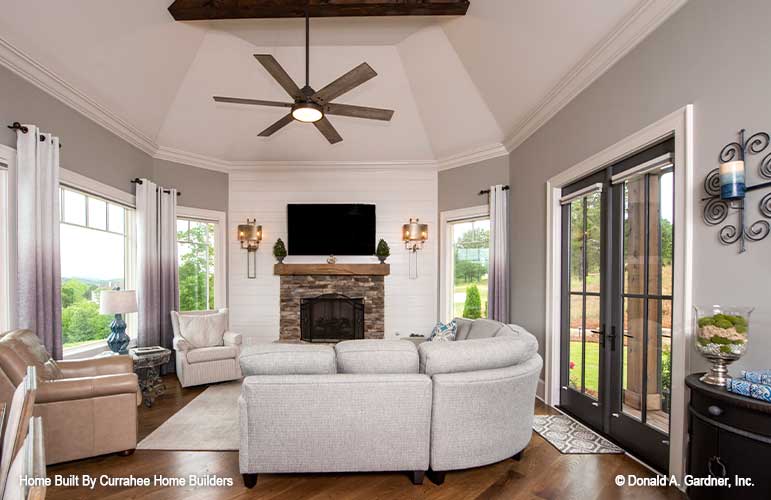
24, 130
487, 191
137, 180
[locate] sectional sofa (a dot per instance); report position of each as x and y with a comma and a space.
387, 405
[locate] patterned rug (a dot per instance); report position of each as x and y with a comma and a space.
569, 436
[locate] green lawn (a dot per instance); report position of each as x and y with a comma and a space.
592, 366
459, 296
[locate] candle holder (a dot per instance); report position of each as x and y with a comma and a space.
727, 190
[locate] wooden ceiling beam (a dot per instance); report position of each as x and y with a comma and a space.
198, 10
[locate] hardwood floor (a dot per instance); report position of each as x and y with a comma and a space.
543, 473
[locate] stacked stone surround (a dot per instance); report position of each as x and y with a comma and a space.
296, 288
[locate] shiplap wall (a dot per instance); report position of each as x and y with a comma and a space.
398, 193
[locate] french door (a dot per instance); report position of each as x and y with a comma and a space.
617, 261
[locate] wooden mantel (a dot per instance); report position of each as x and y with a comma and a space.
332, 269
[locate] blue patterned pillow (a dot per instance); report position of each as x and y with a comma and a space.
443, 332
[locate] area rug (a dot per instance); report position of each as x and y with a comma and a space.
207, 423
570, 437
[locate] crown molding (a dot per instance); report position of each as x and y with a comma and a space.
207, 162
641, 22
53, 84
191, 159
472, 156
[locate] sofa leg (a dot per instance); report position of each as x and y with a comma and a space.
417, 476
436, 477
249, 480
518, 456
127, 453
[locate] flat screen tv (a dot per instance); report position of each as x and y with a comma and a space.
331, 229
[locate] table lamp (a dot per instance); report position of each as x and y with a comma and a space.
118, 302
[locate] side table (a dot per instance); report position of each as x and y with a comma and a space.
146, 367
415, 340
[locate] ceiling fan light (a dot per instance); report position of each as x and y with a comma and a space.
307, 112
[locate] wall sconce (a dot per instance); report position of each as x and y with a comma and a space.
414, 236
727, 189
250, 235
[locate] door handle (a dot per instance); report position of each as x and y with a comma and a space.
601, 333
612, 337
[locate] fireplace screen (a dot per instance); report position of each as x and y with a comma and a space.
331, 318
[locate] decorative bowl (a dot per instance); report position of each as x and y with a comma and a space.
722, 333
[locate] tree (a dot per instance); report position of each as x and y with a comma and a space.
74, 290
469, 271
476, 238
472, 309
666, 242
195, 266
81, 321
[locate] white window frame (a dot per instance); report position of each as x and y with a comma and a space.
220, 219
76, 181
446, 262
680, 125
8, 158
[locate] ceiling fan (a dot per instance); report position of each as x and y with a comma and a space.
311, 106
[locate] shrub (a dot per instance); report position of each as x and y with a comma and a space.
382, 249
472, 309
279, 250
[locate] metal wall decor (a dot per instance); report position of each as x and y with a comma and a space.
250, 236
727, 190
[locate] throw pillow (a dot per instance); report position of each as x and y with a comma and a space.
203, 330
443, 332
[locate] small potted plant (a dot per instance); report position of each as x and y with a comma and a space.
279, 251
382, 252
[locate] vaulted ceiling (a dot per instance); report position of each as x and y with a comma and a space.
458, 84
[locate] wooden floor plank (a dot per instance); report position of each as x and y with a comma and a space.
542, 474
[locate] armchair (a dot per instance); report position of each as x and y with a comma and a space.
88, 407
208, 354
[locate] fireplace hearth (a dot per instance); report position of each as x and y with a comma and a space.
331, 317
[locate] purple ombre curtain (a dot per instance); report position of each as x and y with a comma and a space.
498, 272
157, 273
34, 183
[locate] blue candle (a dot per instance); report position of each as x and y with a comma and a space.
732, 180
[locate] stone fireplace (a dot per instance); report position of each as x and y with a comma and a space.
331, 317
306, 285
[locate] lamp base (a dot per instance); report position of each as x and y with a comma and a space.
118, 341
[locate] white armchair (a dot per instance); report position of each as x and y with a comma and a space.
206, 353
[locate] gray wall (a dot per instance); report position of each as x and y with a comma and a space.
98, 154
459, 187
712, 54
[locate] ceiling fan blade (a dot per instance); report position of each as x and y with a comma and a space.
283, 122
359, 111
328, 131
278, 73
256, 102
348, 81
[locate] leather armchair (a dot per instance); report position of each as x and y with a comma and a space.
205, 365
88, 407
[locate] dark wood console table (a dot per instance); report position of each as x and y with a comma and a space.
729, 436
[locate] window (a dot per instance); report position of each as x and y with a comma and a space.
5, 299
97, 253
197, 264
470, 261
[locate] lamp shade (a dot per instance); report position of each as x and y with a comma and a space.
414, 231
117, 301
